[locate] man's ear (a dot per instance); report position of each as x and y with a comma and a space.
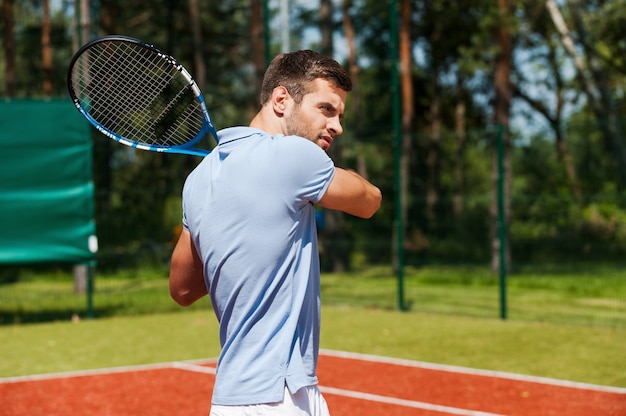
280, 99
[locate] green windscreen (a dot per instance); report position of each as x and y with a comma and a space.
46, 186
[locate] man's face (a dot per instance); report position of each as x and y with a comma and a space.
318, 117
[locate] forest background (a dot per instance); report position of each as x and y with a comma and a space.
438, 84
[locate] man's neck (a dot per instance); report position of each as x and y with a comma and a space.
267, 121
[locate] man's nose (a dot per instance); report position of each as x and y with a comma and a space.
335, 127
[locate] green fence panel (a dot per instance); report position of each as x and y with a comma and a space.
46, 185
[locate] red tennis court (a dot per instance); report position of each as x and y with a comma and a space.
353, 384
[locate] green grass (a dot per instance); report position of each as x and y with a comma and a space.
576, 296
567, 323
583, 354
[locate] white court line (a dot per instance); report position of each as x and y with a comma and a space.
188, 365
403, 402
105, 371
361, 396
196, 368
473, 371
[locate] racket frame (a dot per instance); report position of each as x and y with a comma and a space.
185, 148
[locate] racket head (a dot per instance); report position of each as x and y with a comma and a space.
139, 96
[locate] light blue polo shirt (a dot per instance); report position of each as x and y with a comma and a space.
249, 208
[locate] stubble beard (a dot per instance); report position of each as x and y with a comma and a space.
297, 126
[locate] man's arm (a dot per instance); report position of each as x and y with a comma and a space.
186, 277
349, 192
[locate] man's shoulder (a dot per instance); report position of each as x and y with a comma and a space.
238, 132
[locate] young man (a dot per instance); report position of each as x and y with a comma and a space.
250, 242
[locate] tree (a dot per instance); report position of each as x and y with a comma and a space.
408, 108
334, 237
539, 44
9, 48
46, 52
434, 121
594, 80
84, 21
258, 46
453, 41
502, 107
461, 144
199, 67
463, 64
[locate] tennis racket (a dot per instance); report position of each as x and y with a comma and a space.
139, 96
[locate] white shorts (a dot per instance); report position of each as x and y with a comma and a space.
308, 401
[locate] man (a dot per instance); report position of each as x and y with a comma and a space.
249, 238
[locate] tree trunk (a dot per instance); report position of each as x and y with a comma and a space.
595, 87
353, 65
432, 158
568, 163
408, 110
85, 21
199, 68
608, 114
354, 69
326, 27
46, 51
554, 119
503, 93
103, 150
335, 240
461, 141
258, 48
170, 26
107, 14
9, 48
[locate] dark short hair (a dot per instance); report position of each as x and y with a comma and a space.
296, 70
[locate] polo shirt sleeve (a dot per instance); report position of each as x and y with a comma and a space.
307, 168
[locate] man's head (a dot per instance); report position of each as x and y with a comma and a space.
304, 94
297, 70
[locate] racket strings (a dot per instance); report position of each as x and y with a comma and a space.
137, 93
